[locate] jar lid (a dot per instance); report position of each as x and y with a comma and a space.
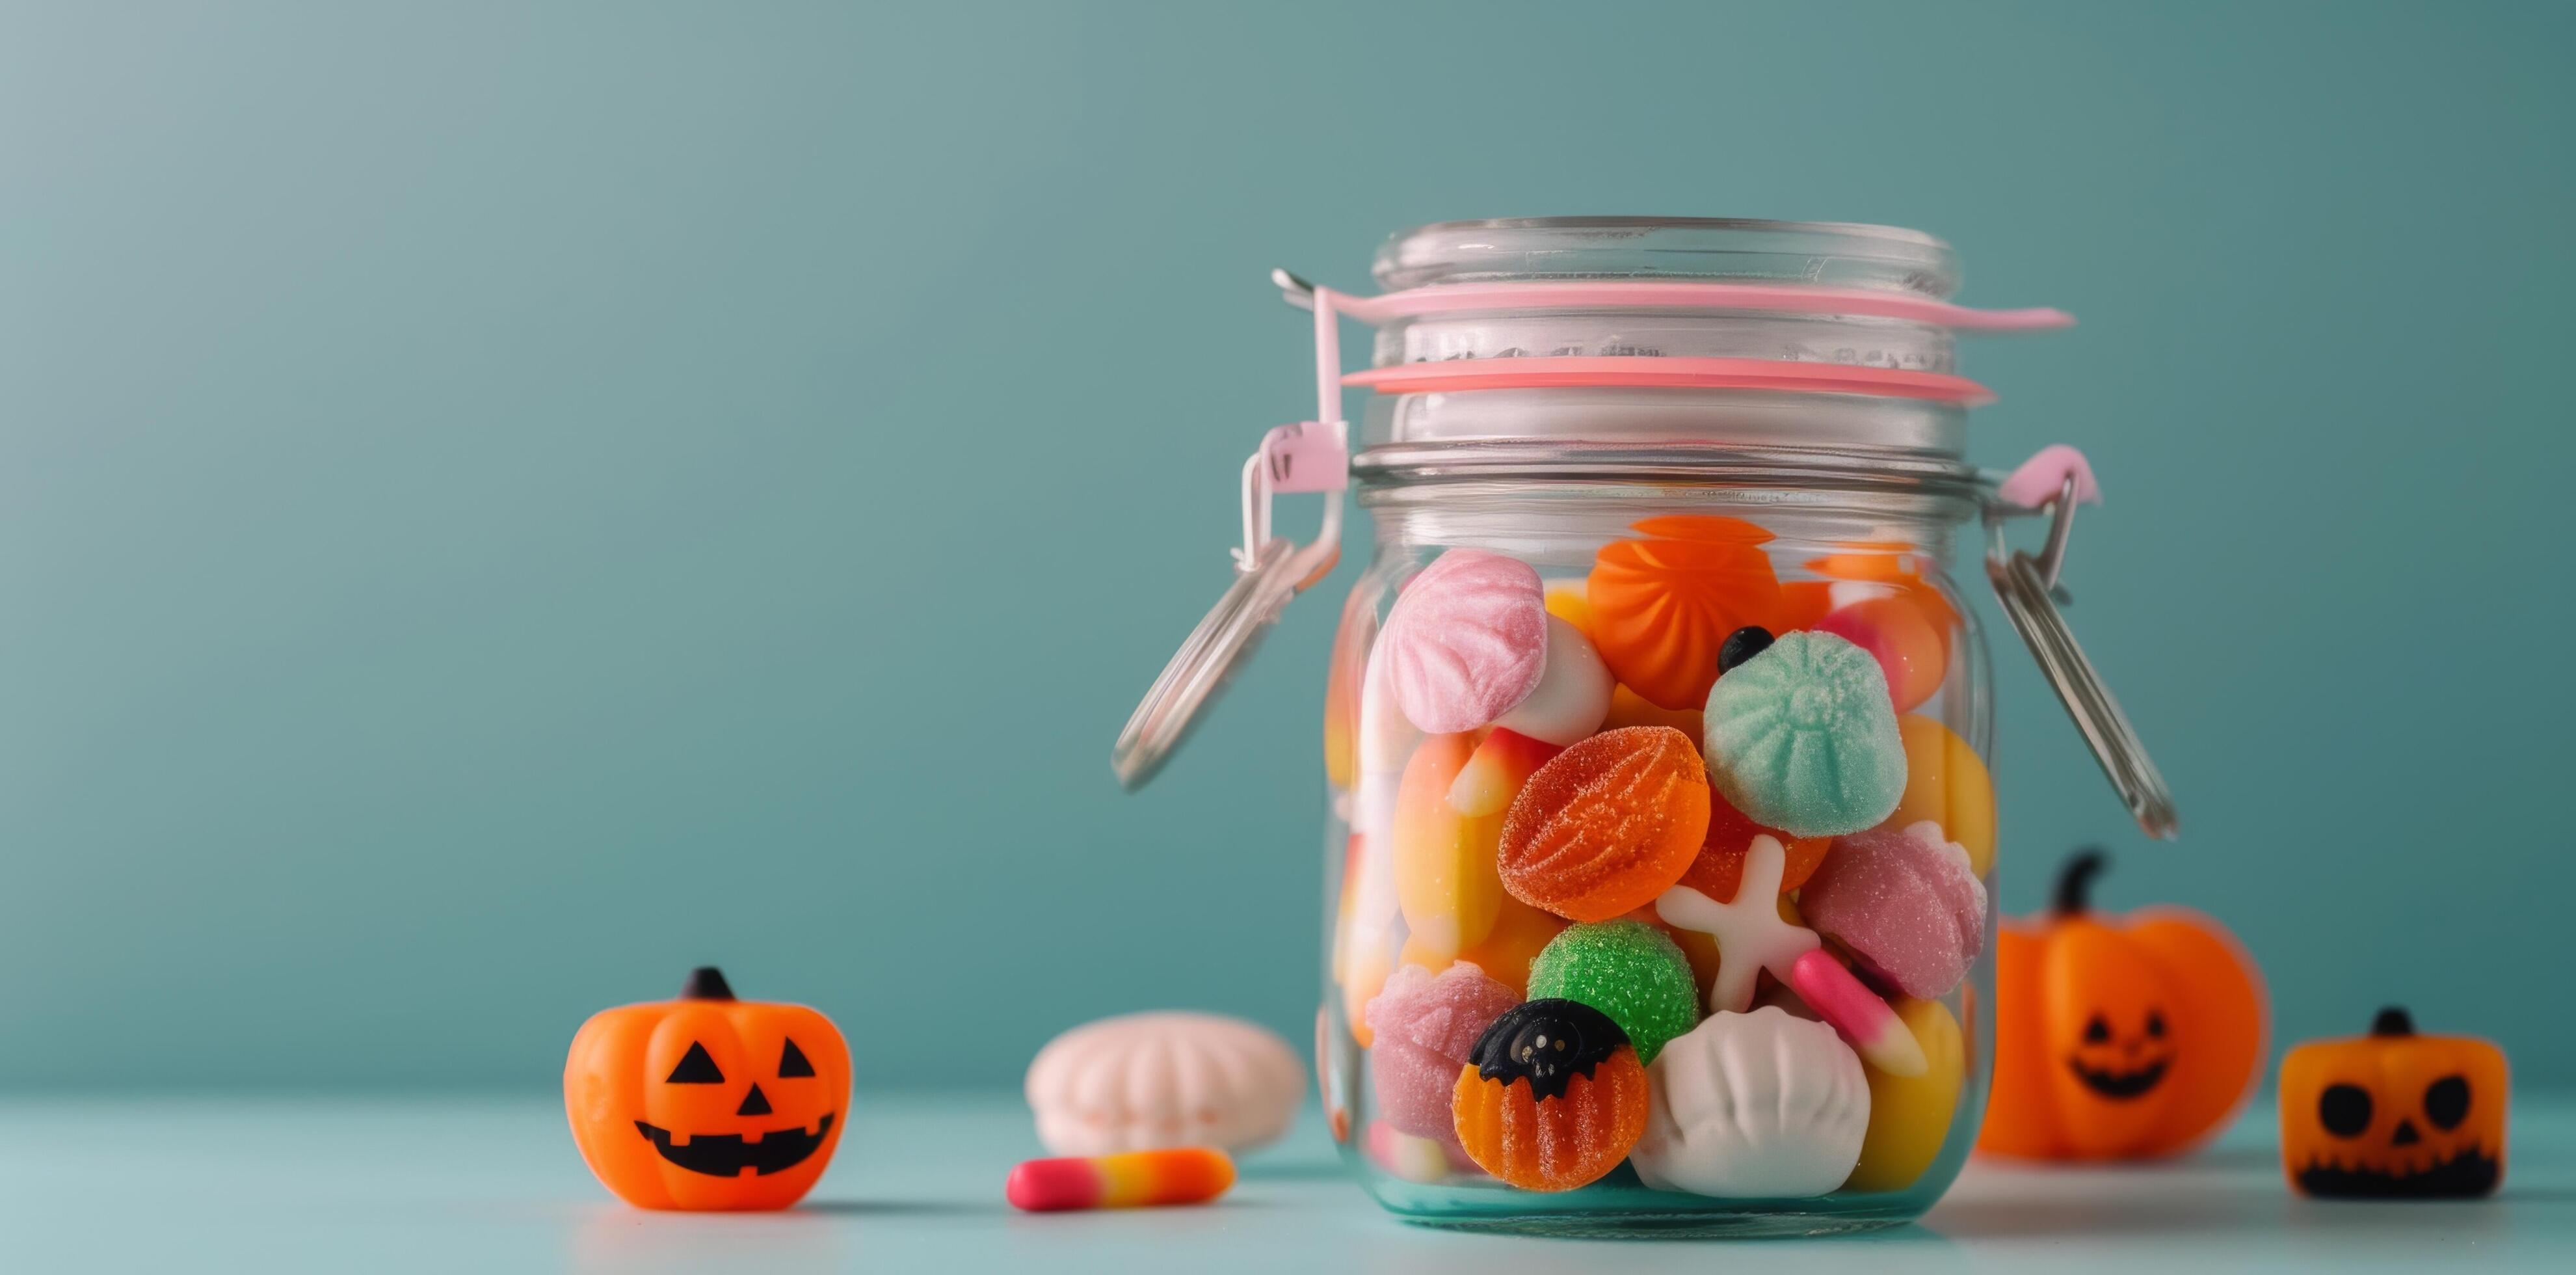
1822, 253
1593, 265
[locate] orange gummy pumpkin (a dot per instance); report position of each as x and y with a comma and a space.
2121, 1037
1661, 606
707, 1102
1552, 1096
1606, 825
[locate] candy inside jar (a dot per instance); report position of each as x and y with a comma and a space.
1761, 1063
1663, 843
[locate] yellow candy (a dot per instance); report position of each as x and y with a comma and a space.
1517, 938
1445, 879
1947, 784
1571, 601
1909, 1116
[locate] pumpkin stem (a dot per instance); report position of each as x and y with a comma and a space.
2393, 1021
2075, 880
706, 983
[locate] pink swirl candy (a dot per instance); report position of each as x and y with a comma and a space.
1466, 641
1904, 901
1424, 1028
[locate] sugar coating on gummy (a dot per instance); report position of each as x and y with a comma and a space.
1627, 969
1605, 826
1802, 737
1466, 640
1573, 691
1423, 1028
1904, 901
1752, 1106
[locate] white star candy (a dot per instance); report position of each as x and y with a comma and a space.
1750, 935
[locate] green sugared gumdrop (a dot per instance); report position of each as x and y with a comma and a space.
1628, 970
1803, 738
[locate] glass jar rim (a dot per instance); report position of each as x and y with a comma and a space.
1833, 254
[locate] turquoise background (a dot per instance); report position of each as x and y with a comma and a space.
501, 503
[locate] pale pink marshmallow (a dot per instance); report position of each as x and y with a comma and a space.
1466, 640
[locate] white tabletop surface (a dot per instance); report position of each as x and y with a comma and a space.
492, 1185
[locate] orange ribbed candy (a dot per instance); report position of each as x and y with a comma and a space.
1606, 825
1662, 606
1546, 1113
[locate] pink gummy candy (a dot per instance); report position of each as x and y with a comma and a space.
1466, 640
1423, 1028
1905, 902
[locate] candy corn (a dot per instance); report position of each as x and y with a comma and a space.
1133, 1179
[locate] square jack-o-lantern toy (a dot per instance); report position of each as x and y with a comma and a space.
2394, 1115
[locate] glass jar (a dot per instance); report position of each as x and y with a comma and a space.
1661, 838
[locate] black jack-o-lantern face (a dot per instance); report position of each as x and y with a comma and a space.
2394, 1115
727, 1155
2124, 1051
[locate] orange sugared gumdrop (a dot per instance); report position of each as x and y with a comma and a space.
1607, 825
1720, 865
1661, 606
1552, 1097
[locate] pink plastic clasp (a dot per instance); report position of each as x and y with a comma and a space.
1309, 456
2029, 587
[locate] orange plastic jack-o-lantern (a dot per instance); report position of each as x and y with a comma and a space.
2118, 1037
707, 1102
2394, 1115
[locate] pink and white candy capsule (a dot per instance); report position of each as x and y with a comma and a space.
1906, 903
1573, 693
1466, 640
1880, 1038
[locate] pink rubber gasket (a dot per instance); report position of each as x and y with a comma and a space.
1789, 298
1583, 371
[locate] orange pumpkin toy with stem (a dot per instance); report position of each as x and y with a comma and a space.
2118, 1037
708, 1102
